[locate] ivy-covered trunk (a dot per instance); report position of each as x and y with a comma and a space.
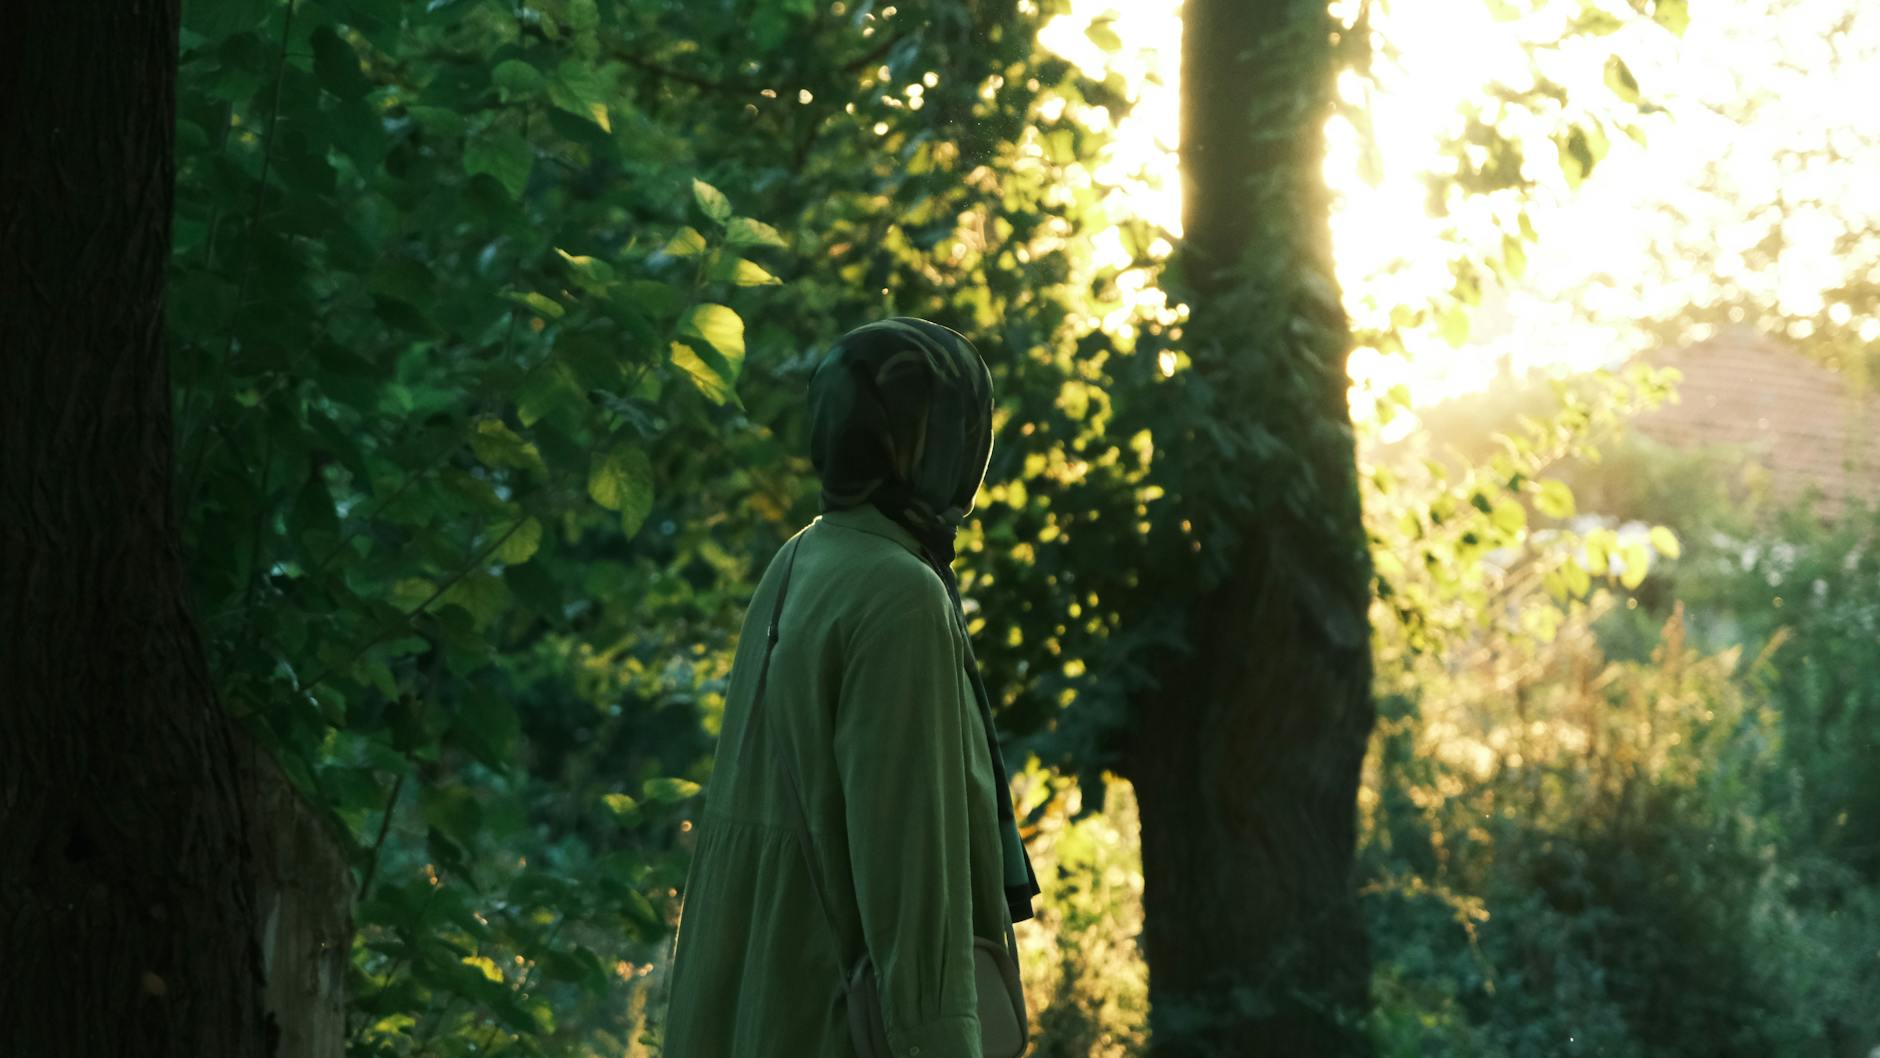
1246, 760
126, 883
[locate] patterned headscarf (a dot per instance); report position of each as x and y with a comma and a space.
901, 417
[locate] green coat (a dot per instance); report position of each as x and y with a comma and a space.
868, 694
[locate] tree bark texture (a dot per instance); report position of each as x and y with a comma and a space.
303, 909
1246, 761
127, 902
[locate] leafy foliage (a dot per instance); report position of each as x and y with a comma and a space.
489, 326
489, 323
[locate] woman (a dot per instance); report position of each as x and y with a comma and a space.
874, 720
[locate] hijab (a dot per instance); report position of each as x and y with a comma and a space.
901, 418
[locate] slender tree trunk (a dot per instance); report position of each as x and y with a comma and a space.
1246, 762
127, 902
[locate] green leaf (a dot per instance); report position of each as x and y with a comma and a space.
1510, 517
669, 791
358, 129
337, 65
546, 390
622, 480
541, 303
743, 231
1619, 78
1577, 580
721, 328
1674, 15
1103, 36
583, 19
442, 122
711, 200
640, 910
503, 156
1596, 23
1513, 257
1554, 499
496, 445
480, 595
452, 809
1637, 562
1453, 325
517, 79
1665, 542
487, 725
1576, 156
708, 381
580, 90
623, 806
740, 272
686, 243
405, 279
522, 544
1600, 545
409, 592
590, 273
216, 19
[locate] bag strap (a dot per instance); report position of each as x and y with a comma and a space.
763, 677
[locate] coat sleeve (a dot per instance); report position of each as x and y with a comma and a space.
899, 738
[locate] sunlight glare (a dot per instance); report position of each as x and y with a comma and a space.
1610, 252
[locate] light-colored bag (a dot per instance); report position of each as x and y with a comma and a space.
1004, 1028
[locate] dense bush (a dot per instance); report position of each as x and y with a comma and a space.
1644, 828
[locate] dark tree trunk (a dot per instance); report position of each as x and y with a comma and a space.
1246, 761
127, 902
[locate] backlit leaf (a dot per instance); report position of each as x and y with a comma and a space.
1637, 563
743, 231
740, 272
686, 243
591, 273
721, 328
1554, 499
1665, 542
541, 303
668, 791
496, 445
522, 544
1619, 78
715, 387
1674, 15
711, 200
622, 480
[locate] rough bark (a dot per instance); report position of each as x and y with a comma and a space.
303, 909
1246, 762
127, 902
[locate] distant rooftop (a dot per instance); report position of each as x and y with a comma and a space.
1748, 397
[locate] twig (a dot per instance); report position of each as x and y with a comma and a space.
385, 825
876, 52
254, 219
684, 78
448, 584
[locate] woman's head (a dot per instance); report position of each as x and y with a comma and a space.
901, 416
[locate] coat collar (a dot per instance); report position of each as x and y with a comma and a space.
868, 518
